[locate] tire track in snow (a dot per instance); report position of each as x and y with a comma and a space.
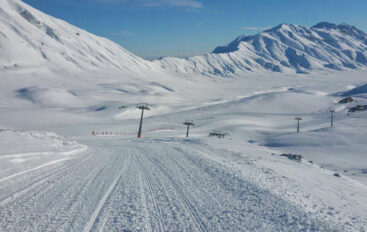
33, 169
190, 208
65, 202
18, 155
77, 199
152, 195
293, 218
105, 197
148, 226
125, 209
22, 191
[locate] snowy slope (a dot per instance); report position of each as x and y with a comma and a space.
32, 39
359, 90
16, 144
176, 185
285, 48
165, 182
44, 62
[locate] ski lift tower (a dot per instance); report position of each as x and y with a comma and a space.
332, 118
298, 119
142, 107
188, 123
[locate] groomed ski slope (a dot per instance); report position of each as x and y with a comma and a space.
77, 83
165, 182
149, 185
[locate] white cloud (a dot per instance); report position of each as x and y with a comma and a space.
178, 3
193, 4
125, 33
255, 28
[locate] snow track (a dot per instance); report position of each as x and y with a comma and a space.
151, 194
189, 207
37, 181
104, 199
149, 185
32, 169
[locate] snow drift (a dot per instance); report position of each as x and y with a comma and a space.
55, 97
16, 143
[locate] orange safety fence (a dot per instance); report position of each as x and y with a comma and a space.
110, 133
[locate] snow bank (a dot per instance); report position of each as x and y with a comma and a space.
15, 143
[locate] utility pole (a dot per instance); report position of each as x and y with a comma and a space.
142, 107
188, 123
332, 117
298, 119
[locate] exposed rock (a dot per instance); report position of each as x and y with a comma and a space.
294, 157
336, 174
346, 100
217, 133
358, 108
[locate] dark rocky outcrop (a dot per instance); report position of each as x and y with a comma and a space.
294, 157
346, 100
358, 108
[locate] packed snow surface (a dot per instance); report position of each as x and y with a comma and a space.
70, 159
165, 182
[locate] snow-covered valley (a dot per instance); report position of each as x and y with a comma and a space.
165, 182
59, 84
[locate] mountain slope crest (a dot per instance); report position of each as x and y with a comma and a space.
284, 48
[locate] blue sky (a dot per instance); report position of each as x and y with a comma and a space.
153, 28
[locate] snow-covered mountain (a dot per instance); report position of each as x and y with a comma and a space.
32, 39
285, 48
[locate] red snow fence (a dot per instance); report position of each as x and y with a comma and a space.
127, 134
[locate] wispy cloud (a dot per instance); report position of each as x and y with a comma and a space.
127, 33
124, 33
178, 3
255, 28
192, 4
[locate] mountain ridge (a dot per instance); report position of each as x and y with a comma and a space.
284, 48
31, 38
